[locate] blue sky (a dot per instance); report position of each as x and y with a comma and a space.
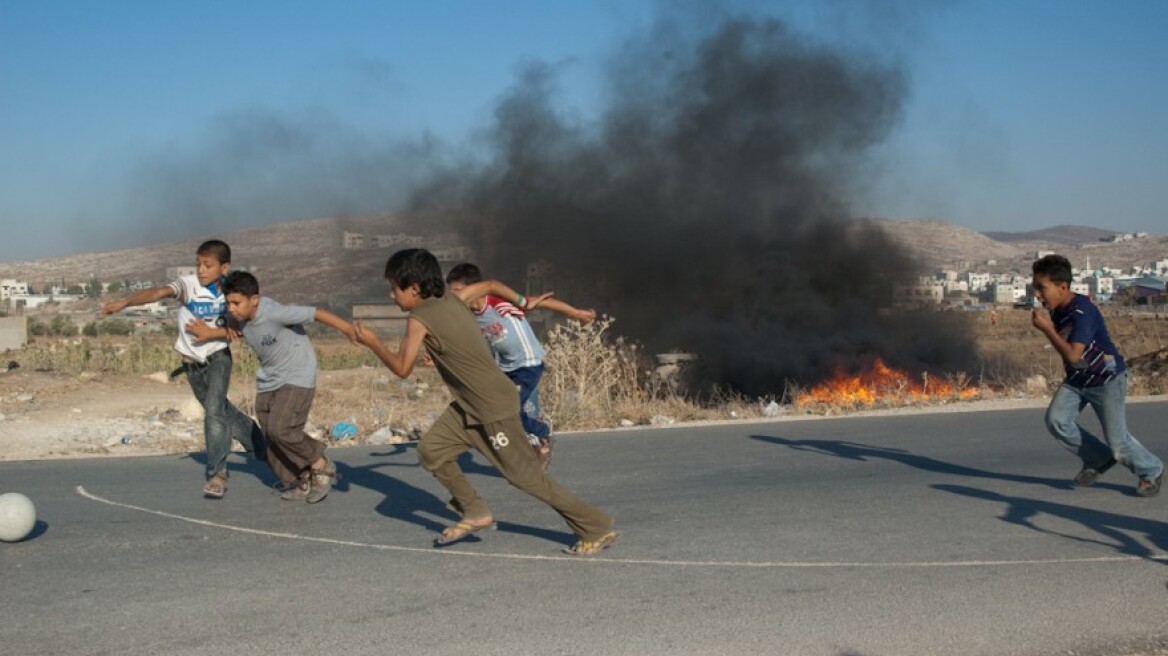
1021, 114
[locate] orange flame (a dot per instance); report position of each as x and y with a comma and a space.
884, 385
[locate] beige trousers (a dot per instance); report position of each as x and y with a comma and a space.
504, 444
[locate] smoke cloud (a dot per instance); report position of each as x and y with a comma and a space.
707, 208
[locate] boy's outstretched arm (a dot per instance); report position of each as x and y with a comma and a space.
556, 305
1071, 352
401, 363
332, 320
141, 298
477, 290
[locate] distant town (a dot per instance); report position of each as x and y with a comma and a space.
971, 286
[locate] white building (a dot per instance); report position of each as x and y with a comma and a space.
956, 286
1081, 288
10, 287
1100, 285
924, 292
978, 281
1007, 293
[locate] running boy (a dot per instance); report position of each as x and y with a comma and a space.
202, 343
514, 345
485, 412
285, 383
1095, 376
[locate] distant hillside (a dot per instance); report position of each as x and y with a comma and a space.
1067, 235
296, 262
937, 244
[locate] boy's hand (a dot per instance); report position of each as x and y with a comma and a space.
363, 335
199, 329
584, 316
113, 307
1041, 320
233, 333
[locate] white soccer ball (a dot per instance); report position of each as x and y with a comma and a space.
17, 517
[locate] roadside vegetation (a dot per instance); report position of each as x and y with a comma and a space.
595, 378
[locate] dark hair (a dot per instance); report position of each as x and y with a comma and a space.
1055, 267
465, 273
416, 266
240, 282
219, 249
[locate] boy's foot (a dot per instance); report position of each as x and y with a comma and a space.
1149, 487
320, 481
591, 547
298, 490
215, 487
544, 450
1088, 475
464, 528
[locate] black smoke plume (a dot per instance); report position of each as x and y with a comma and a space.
708, 208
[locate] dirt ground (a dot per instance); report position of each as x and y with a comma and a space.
47, 414
55, 415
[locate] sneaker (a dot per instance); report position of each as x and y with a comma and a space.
1149, 487
320, 481
1088, 475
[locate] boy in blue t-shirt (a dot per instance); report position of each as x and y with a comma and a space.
1096, 376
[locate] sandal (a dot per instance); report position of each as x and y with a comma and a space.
461, 530
590, 547
215, 487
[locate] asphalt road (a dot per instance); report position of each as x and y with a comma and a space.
904, 535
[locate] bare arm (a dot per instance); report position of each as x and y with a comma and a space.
475, 291
1071, 352
141, 298
332, 320
202, 332
556, 305
401, 362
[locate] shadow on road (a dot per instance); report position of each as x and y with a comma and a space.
864, 453
1115, 530
412, 504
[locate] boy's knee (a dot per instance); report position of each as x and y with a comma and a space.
1059, 424
428, 457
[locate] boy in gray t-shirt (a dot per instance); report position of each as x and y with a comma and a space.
285, 383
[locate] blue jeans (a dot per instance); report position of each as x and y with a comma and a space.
222, 421
527, 380
1108, 402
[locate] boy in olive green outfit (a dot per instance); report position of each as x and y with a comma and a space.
485, 412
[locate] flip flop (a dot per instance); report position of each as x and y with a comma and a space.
591, 547
215, 487
461, 530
